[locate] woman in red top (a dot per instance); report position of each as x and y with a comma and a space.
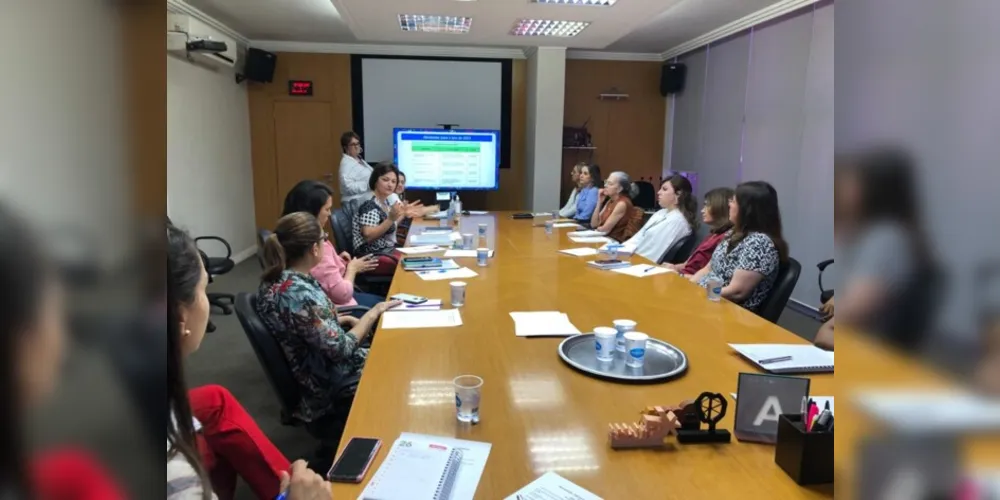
715, 214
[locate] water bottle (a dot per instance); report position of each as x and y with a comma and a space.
458, 208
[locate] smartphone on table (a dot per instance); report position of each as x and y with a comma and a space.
408, 299
353, 463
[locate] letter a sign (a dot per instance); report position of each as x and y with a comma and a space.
760, 399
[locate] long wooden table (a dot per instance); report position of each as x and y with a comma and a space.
540, 414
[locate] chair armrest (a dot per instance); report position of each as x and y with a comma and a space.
229, 249
346, 386
352, 309
823, 265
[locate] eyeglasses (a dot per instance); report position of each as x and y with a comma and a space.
354, 144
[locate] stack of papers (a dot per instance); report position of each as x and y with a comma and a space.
423, 306
450, 274
642, 270
421, 319
580, 252
622, 248
474, 455
421, 249
787, 358
435, 238
552, 486
478, 212
412, 470
463, 253
584, 234
543, 324
565, 224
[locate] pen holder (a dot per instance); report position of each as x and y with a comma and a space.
807, 457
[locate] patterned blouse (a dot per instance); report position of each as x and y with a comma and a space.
319, 352
370, 214
755, 253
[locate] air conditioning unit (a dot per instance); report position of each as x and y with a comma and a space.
199, 41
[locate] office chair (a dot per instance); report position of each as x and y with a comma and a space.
216, 266
824, 294
342, 222
646, 198
678, 252
327, 430
774, 304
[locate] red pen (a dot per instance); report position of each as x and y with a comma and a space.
811, 415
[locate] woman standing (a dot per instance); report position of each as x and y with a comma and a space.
747, 259
586, 198
374, 228
714, 213
615, 207
354, 171
672, 222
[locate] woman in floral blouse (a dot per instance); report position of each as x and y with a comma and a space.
302, 318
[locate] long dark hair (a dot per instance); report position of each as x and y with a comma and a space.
759, 213
26, 272
685, 200
184, 267
595, 175
293, 236
307, 196
717, 201
888, 192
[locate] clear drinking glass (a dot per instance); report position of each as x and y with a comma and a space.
714, 287
467, 394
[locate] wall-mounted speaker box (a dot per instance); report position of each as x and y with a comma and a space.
672, 78
260, 65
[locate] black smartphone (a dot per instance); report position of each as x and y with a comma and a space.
408, 260
354, 461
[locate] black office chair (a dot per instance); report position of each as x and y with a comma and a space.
327, 430
678, 252
646, 198
774, 304
824, 294
342, 222
216, 266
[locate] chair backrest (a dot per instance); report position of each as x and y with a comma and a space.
671, 255
262, 236
342, 221
774, 304
269, 353
646, 198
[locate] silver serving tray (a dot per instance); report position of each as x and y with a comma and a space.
663, 361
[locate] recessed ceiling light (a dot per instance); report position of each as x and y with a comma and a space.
435, 24
542, 27
602, 3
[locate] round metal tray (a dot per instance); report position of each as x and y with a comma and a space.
663, 361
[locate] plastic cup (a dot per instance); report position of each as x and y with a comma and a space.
468, 391
468, 241
635, 349
457, 293
622, 326
605, 339
548, 226
482, 257
613, 252
714, 287
482, 230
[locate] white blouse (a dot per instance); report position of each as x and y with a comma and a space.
661, 230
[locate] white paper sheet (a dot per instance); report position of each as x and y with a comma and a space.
430, 304
463, 253
584, 234
543, 324
590, 239
435, 238
552, 486
474, 456
642, 270
580, 252
478, 212
565, 224
421, 319
451, 274
931, 411
421, 249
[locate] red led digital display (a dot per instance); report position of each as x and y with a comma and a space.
300, 87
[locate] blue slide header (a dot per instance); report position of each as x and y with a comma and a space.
447, 137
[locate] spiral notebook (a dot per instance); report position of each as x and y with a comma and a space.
415, 470
787, 358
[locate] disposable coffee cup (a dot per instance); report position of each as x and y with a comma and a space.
482, 230
714, 289
605, 339
468, 241
622, 326
635, 349
482, 257
457, 293
548, 226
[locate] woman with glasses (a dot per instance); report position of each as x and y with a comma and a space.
355, 171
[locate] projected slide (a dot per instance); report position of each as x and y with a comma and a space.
447, 159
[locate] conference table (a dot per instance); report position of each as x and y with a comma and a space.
542, 415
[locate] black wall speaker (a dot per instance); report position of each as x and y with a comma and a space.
672, 78
260, 65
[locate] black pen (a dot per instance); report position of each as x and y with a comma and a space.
774, 360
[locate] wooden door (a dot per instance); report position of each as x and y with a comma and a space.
304, 145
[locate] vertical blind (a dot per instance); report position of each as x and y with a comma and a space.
759, 106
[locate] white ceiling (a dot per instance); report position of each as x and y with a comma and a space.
640, 26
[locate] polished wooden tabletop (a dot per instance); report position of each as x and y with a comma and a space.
540, 414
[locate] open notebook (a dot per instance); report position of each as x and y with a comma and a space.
803, 358
415, 470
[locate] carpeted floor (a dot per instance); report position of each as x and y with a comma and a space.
226, 358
